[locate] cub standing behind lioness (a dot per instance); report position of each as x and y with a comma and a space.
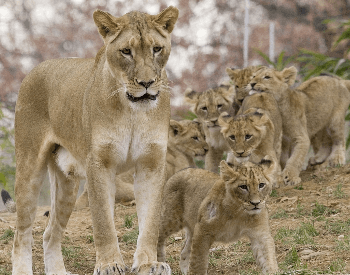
106, 115
317, 106
208, 106
186, 142
219, 208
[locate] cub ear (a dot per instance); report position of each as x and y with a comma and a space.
258, 116
191, 96
269, 165
226, 172
229, 94
167, 18
106, 23
175, 127
224, 122
232, 73
289, 75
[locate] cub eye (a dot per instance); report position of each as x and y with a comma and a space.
126, 51
219, 106
244, 187
266, 77
204, 108
261, 185
195, 138
237, 86
157, 49
232, 137
248, 137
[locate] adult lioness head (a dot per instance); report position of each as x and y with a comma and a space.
137, 47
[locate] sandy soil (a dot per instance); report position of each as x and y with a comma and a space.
309, 222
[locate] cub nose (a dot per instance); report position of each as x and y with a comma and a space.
145, 84
252, 84
255, 203
240, 153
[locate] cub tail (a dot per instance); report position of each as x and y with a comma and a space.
8, 201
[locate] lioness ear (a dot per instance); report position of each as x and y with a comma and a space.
105, 23
167, 18
175, 127
289, 75
226, 172
223, 121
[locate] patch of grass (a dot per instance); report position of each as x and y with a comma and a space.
284, 234
248, 258
337, 227
302, 235
90, 238
338, 192
171, 259
214, 256
299, 187
280, 214
71, 252
292, 262
7, 235
3, 271
274, 193
301, 210
249, 272
337, 265
131, 237
343, 245
322, 210
129, 220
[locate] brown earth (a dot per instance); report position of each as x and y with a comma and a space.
310, 224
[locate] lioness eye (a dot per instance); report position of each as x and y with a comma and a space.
261, 185
232, 137
248, 137
266, 77
195, 138
126, 51
219, 106
244, 187
204, 108
157, 49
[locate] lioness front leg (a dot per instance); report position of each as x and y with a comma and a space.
148, 188
101, 190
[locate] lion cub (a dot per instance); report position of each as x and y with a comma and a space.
219, 208
208, 106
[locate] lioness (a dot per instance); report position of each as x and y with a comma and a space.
208, 106
186, 142
318, 105
104, 116
219, 208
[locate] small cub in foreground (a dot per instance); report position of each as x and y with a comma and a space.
219, 208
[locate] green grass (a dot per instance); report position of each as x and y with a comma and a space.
337, 265
7, 235
129, 220
131, 237
274, 193
304, 234
71, 252
322, 210
337, 227
343, 245
3, 271
338, 192
90, 238
280, 214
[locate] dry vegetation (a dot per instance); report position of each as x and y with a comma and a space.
310, 224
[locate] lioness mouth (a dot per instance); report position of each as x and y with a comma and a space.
146, 96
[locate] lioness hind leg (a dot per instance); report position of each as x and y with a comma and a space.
30, 173
64, 190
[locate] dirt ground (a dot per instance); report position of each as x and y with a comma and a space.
309, 222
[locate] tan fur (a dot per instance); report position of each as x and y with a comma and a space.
241, 79
186, 142
318, 106
90, 110
208, 106
219, 208
256, 131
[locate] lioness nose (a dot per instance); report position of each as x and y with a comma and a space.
146, 84
255, 203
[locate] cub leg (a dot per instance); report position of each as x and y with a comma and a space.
148, 188
186, 252
201, 243
64, 190
322, 146
30, 172
83, 200
101, 191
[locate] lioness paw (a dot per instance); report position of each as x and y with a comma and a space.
154, 268
110, 269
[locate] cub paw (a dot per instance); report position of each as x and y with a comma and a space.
154, 268
290, 180
110, 269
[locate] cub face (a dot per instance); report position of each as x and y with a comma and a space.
137, 49
270, 80
210, 104
249, 183
188, 137
244, 133
241, 79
